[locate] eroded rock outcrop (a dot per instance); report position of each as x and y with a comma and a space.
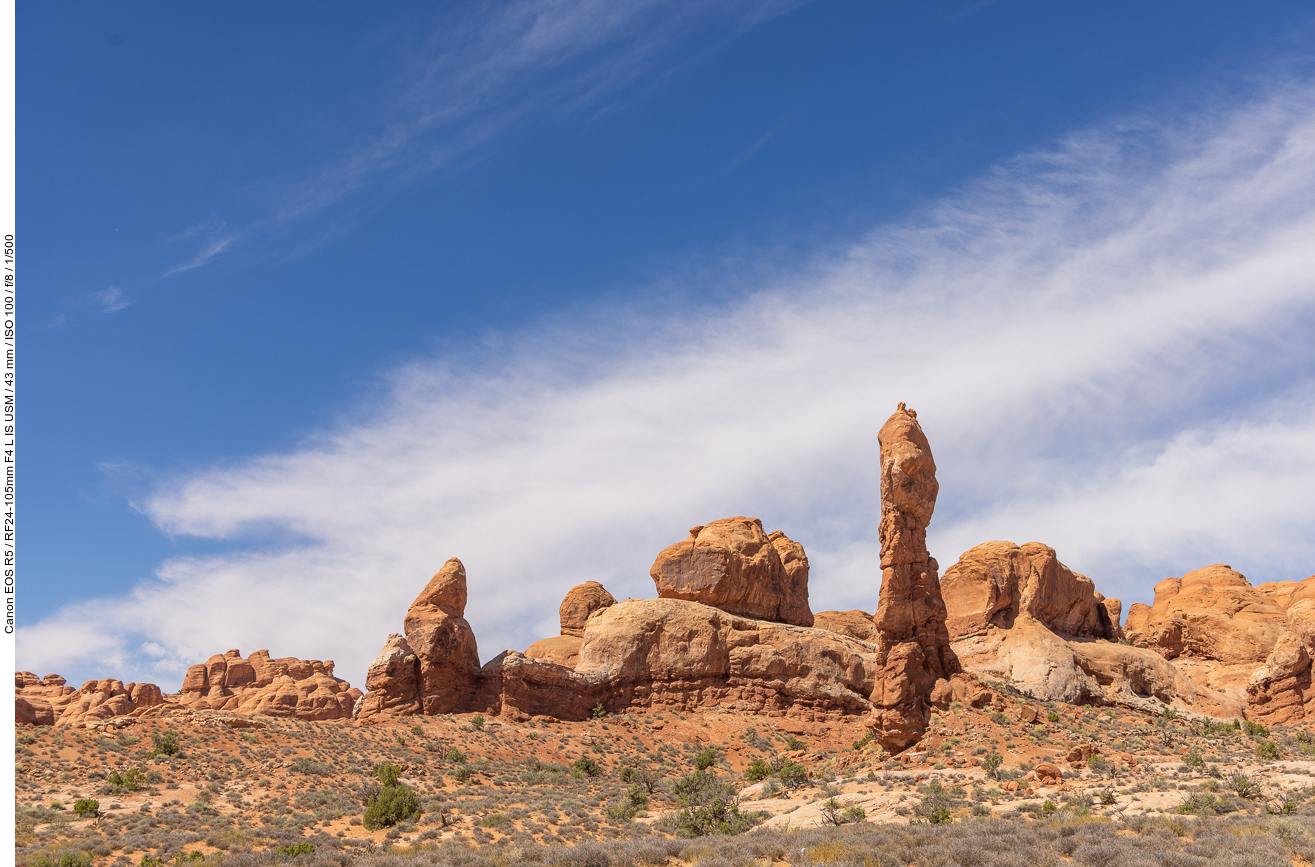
40, 700
580, 603
682, 654
856, 624
913, 646
100, 700
1280, 691
1212, 624
260, 685
1016, 611
733, 565
434, 667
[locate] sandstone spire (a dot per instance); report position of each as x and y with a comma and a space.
913, 646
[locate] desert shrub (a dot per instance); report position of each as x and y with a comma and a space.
705, 805
165, 744
417, 730
862, 742
310, 767
645, 777
791, 774
388, 774
1052, 717
86, 807
757, 771
463, 774
1194, 761
393, 804
1255, 729
625, 808
493, 820
793, 743
477, 722
991, 763
598, 711
706, 759
296, 849
1267, 750
129, 780
836, 814
587, 766
67, 858
456, 755
1242, 785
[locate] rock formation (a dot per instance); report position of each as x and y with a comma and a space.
580, 603
913, 646
1018, 612
1212, 624
1280, 691
434, 667
731, 564
684, 655
303, 689
39, 701
100, 700
50, 701
855, 624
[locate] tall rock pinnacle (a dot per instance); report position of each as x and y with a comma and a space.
913, 646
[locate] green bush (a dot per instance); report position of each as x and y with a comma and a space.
456, 755
73, 858
388, 774
598, 711
296, 849
587, 766
706, 759
1255, 729
793, 743
757, 771
862, 742
418, 731
165, 744
477, 722
87, 807
1052, 717
1267, 750
310, 766
705, 805
999, 718
131, 779
493, 820
463, 774
791, 774
991, 763
393, 804
625, 808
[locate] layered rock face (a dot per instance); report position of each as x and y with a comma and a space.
1017, 611
302, 689
580, 603
1280, 691
856, 624
99, 700
38, 701
733, 565
913, 646
434, 667
50, 701
994, 582
1212, 624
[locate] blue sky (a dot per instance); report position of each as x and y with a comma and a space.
320, 294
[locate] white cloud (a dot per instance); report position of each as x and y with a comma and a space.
112, 300
1109, 345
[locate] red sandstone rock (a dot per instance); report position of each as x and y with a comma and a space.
438, 654
855, 624
913, 647
794, 607
581, 601
1048, 774
99, 700
1280, 691
302, 689
732, 565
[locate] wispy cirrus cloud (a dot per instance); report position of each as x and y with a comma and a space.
1109, 343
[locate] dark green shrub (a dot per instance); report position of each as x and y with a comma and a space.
757, 771
1256, 730
623, 809
131, 779
862, 742
1267, 750
456, 755
706, 759
477, 722
599, 713
1052, 717
388, 774
73, 858
587, 766
165, 744
393, 804
705, 805
793, 743
86, 807
463, 774
991, 763
791, 774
